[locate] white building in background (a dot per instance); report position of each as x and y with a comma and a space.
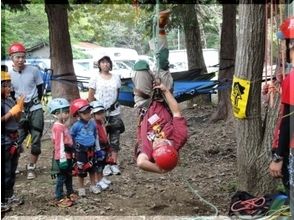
115, 53
179, 62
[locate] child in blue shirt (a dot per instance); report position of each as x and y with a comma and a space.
84, 135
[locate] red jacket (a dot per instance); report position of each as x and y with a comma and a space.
102, 134
288, 89
172, 128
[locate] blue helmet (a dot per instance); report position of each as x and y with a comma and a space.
97, 107
57, 103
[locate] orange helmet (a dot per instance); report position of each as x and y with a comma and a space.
78, 105
287, 28
16, 48
166, 157
5, 76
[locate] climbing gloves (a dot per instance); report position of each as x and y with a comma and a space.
15, 110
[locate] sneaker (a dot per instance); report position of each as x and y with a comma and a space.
5, 207
115, 169
31, 171
108, 182
95, 189
82, 192
102, 185
107, 170
15, 201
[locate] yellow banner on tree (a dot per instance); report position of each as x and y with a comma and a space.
239, 96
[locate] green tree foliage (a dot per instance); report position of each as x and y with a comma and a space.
27, 26
209, 16
110, 25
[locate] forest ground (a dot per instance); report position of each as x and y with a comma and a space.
207, 167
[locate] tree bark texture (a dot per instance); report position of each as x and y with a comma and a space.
249, 65
227, 62
268, 183
192, 37
61, 52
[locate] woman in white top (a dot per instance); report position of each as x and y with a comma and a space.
104, 87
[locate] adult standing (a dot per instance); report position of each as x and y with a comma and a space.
104, 87
27, 81
282, 164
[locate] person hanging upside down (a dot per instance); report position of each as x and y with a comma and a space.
161, 134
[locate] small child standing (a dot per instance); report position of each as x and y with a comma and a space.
10, 150
62, 154
84, 135
103, 152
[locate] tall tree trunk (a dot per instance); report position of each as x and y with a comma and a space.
249, 65
193, 45
60, 51
192, 37
227, 61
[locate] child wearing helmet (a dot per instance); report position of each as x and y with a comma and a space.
84, 135
62, 152
10, 150
102, 154
161, 134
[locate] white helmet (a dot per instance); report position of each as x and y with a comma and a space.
57, 103
97, 107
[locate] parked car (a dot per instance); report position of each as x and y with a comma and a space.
83, 75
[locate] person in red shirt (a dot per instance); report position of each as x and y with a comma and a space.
161, 134
285, 147
103, 153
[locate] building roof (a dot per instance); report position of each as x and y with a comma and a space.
37, 46
87, 45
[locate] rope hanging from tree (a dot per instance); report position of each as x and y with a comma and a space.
155, 37
270, 87
157, 92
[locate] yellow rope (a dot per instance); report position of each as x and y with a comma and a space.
291, 113
283, 211
28, 141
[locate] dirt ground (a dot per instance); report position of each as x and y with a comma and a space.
207, 168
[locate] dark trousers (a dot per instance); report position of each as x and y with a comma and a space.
8, 167
63, 179
285, 172
33, 123
291, 181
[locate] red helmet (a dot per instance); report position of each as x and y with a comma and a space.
166, 157
16, 48
287, 27
77, 105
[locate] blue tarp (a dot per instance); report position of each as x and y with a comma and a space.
183, 90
